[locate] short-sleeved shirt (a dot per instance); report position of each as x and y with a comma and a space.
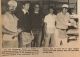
10, 22
50, 21
62, 20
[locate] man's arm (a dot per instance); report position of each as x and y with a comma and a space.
6, 31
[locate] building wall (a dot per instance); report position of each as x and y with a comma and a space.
45, 4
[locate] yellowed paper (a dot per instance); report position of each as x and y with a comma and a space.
71, 49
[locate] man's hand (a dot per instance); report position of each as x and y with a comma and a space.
32, 35
15, 35
19, 30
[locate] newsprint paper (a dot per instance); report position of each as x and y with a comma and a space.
39, 28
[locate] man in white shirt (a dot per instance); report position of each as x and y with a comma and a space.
50, 28
62, 23
10, 33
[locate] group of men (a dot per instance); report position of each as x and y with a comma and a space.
24, 29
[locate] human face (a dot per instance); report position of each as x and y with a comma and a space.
26, 6
64, 10
36, 8
12, 8
51, 11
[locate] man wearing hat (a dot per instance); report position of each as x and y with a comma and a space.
10, 39
62, 23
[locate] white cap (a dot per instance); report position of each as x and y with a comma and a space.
65, 6
12, 2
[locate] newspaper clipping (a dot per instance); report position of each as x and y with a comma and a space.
38, 28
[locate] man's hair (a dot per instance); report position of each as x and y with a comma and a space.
26, 2
51, 7
36, 4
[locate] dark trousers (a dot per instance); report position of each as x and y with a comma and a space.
37, 38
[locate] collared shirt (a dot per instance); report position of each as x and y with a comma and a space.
10, 21
50, 21
24, 20
62, 20
25, 11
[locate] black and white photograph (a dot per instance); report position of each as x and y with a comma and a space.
39, 23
